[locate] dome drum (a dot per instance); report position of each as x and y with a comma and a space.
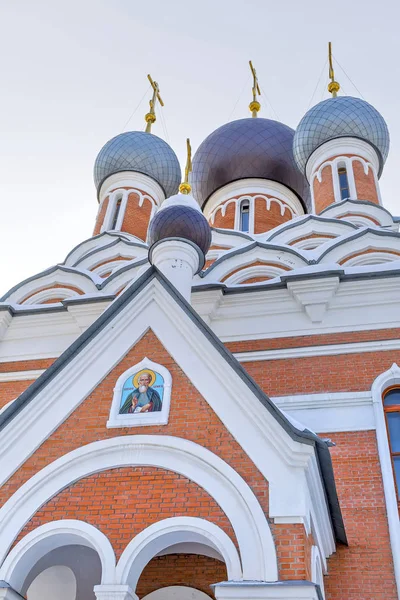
247, 149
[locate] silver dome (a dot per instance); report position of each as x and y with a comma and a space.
141, 152
343, 116
243, 149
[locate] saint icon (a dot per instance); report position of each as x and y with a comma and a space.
143, 397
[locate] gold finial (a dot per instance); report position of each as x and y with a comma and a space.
254, 106
333, 86
150, 118
185, 187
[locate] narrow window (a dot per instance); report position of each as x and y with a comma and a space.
244, 216
343, 183
391, 405
116, 213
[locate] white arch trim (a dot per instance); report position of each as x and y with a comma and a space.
159, 536
269, 271
215, 476
50, 536
381, 383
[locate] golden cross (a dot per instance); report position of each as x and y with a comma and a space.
255, 105
333, 86
185, 187
150, 118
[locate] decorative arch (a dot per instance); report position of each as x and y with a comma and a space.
389, 378
50, 536
215, 476
159, 536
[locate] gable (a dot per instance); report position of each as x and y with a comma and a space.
287, 457
191, 418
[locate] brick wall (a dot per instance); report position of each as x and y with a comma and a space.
365, 183
323, 190
190, 570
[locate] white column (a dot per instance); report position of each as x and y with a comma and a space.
179, 261
114, 592
259, 590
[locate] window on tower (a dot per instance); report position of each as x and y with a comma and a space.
244, 216
391, 405
116, 213
343, 183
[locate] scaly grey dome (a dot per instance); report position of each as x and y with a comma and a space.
180, 221
343, 116
141, 152
248, 148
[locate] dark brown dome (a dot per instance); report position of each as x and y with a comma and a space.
248, 148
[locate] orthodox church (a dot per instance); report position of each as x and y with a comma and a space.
202, 400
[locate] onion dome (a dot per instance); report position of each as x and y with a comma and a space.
140, 152
180, 219
341, 116
243, 149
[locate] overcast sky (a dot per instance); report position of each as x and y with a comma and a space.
73, 72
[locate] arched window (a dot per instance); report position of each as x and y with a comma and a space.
391, 406
116, 213
343, 183
244, 222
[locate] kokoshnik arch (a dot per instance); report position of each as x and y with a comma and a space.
203, 399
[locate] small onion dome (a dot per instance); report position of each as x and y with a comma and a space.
248, 148
181, 221
338, 117
140, 152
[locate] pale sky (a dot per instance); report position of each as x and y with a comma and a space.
73, 72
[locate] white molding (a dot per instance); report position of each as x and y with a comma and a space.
151, 418
50, 293
317, 574
323, 350
382, 382
21, 375
134, 180
259, 590
159, 536
49, 536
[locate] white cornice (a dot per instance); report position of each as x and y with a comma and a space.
324, 350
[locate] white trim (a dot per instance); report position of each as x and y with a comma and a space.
21, 375
49, 294
159, 536
254, 590
323, 350
383, 381
317, 574
269, 271
53, 535
216, 477
151, 418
